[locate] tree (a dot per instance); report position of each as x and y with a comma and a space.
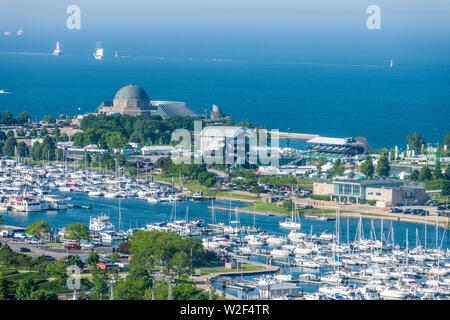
33, 133
437, 173
135, 286
100, 283
75, 260
42, 294
86, 160
114, 258
164, 163
116, 140
445, 187
351, 174
3, 136
9, 146
93, 258
50, 119
447, 139
22, 149
20, 132
23, 117
77, 231
366, 167
58, 270
77, 139
425, 174
414, 176
24, 288
7, 118
3, 287
338, 168
124, 247
206, 179
181, 263
287, 204
39, 228
383, 167
415, 141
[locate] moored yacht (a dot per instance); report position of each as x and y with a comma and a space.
25, 204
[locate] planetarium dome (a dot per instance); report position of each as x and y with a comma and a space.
131, 96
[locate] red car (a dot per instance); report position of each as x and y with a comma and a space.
72, 246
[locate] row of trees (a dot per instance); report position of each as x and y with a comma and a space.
7, 118
416, 141
73, 231
115, 131
192, 171
8, 145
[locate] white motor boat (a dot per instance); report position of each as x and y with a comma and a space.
25, 204
279, 253
393, 293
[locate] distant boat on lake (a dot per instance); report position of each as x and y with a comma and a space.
58, 51
98, 54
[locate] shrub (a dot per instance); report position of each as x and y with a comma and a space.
320, 197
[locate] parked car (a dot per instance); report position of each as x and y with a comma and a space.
308, 206
72, 246
33, 241
23, 249
87, 245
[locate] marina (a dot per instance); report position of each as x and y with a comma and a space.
306, 257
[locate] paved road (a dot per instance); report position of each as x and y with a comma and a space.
57, 252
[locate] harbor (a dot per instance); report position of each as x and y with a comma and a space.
308, 257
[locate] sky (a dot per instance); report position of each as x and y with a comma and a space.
310, 31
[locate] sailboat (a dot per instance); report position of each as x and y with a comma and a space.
58, 51
98, 54
391, 64
20, 32
292, 222
116, 54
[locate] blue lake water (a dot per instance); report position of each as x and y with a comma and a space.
339, 100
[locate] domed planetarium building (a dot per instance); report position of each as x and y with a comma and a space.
134, 101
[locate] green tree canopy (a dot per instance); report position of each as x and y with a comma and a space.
414, 176
23, 117
7, 118
10, 146
77, 231
425, 174
93, 258
415, 141
39, 228
24, 288
366, 167
383, 167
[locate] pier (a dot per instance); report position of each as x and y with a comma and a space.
293, 135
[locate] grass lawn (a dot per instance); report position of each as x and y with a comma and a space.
52, 243
246, 267
268, 207
237, 196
